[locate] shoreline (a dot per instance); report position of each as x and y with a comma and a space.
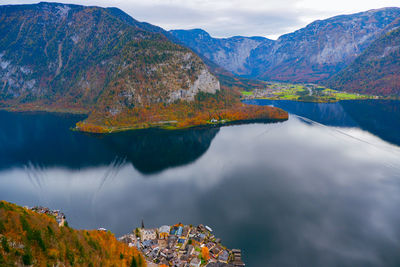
246, 114
314, 101
320, 101
175, 128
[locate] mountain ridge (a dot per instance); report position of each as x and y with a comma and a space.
310, 54
125, 74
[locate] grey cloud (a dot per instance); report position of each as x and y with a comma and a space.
219, 18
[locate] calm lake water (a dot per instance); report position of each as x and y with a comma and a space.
321, 189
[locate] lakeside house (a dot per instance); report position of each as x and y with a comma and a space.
237, 258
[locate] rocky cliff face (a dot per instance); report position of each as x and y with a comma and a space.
90, 57
322, 48
311, 54
376, 70
229, 53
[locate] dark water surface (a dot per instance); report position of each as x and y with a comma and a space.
322, 189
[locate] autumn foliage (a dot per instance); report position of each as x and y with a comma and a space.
222, 106
376, 71
29, 238
205, 253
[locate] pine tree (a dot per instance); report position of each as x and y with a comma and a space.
134, 264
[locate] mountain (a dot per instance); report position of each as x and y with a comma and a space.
124, 73
376, 71
311, 54
85, 56
32, 239
230, 53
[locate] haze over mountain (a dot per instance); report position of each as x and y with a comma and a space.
310, 54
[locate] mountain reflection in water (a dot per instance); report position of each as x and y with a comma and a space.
44, 140
318, 190
379, 117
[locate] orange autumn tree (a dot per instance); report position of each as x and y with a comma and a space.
41, 242
205, 253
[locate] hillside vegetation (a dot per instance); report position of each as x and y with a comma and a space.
29, 238
376, 71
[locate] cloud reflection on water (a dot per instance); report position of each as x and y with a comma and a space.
288, 194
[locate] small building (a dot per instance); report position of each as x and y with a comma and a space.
237, 256
147, 234
163, 232
186, 232
215, 251
179, 231
210, 245
223, 256
201, 228
195, 262
189, 250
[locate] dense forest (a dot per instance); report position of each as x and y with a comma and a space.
30, 238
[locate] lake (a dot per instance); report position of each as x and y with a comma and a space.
321, 189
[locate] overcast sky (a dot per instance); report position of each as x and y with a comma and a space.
224, 18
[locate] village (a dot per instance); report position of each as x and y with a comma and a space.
301, 92
182, 246
58, 215
176, 246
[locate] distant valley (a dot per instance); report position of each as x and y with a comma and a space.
312, 54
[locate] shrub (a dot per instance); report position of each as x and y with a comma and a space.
70, 257
134, 264
27, 258
2, 227
4, 244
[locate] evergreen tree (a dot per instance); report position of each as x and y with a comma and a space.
134, 264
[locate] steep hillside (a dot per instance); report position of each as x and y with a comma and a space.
83, 56
311, 54
322, 48
29, 238
376, 71
124, 73
230, 53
